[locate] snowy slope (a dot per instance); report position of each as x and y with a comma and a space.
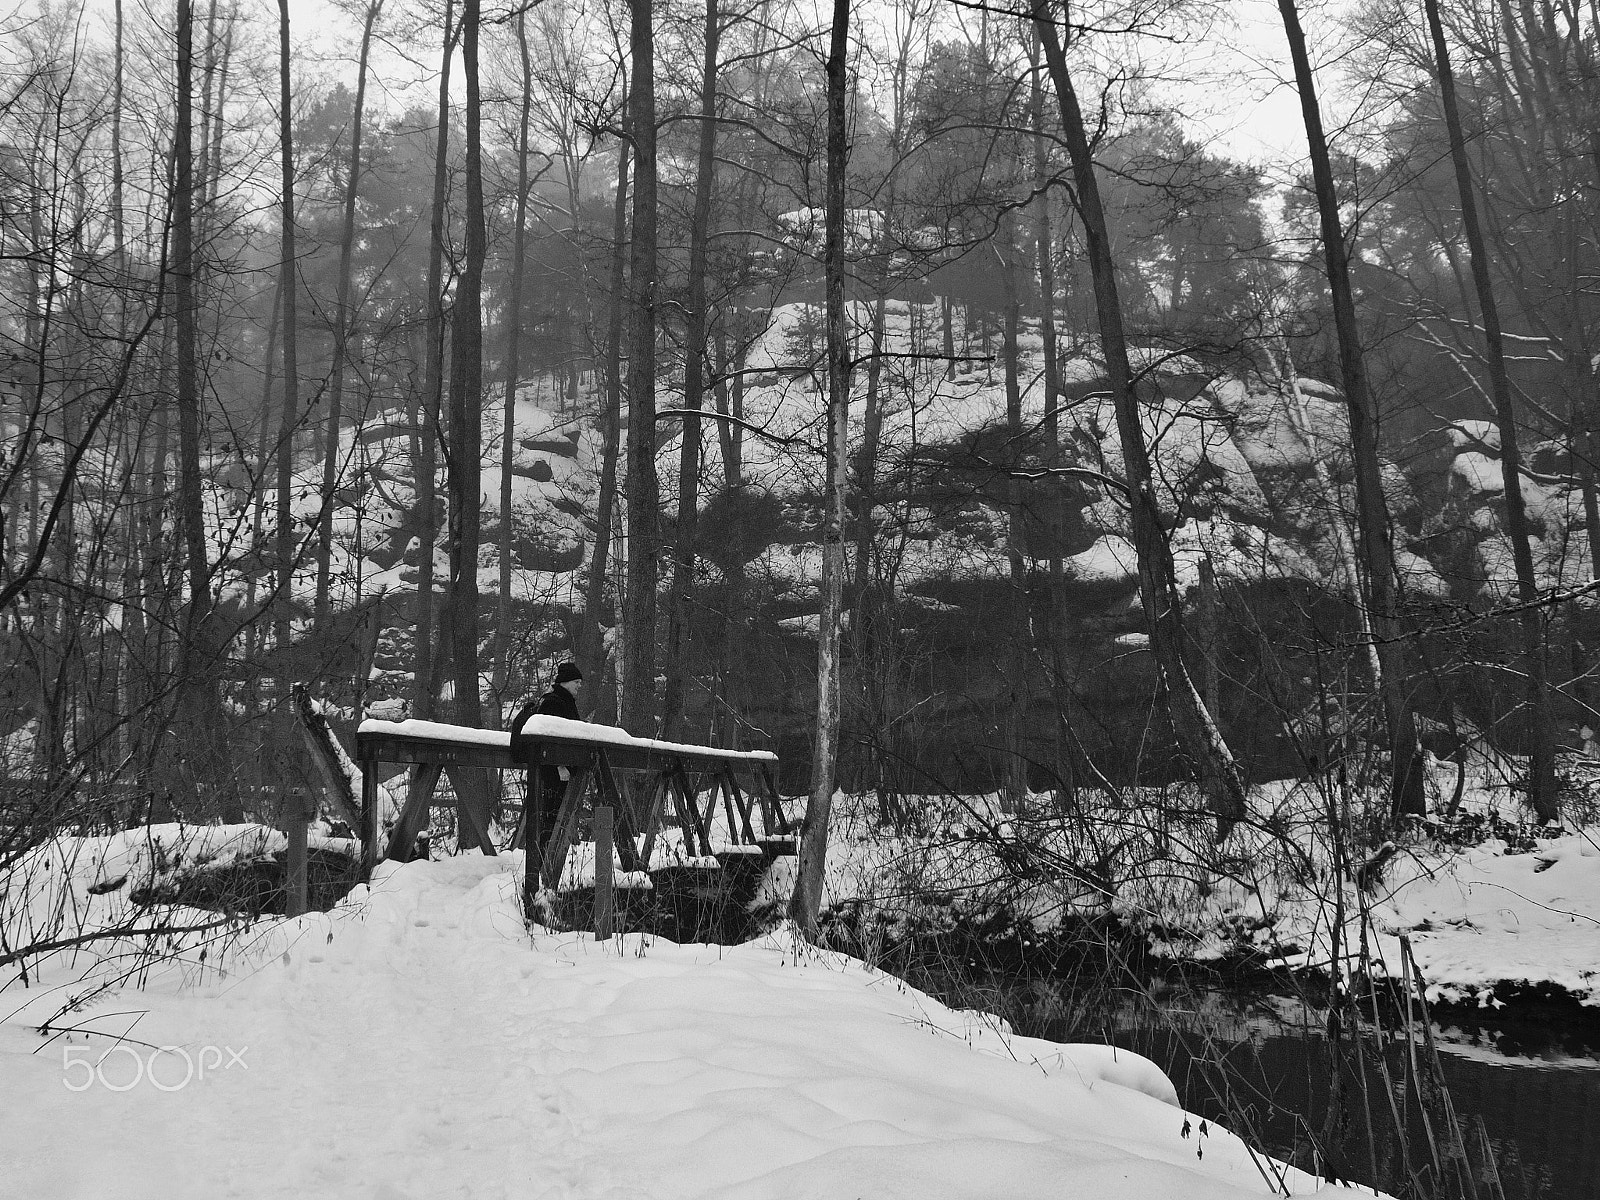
416, 1043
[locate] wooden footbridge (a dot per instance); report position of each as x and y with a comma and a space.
681, 784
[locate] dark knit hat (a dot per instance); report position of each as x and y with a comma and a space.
567, 672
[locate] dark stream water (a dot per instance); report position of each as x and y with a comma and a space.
1258, 1063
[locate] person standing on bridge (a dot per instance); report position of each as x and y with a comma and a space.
560, 701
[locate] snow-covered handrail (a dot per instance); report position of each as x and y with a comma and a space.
541, 728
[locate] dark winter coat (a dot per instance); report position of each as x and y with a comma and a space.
557, 702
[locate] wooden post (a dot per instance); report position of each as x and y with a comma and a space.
532, 832
297, 813
371, 821
604, 899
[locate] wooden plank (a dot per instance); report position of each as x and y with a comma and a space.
604, 901
414, 816
561, 838
472, 814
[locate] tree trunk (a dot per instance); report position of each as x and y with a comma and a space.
866, 468
200, 744
343, 328
118, 221
1347, 559
725, 429
1541, 767
1016, 772
590, 639
214, 171
519, 244
644, 493
806, 901
695, 351
1044, 249
948, 310
466, 401
424, 670
1377, 553
1195, 727
731, 403
254, 635
284, 596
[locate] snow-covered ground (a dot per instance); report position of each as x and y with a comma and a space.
417, 1042
1514, 913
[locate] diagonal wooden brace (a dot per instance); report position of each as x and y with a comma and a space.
742, 803
777, 824
566, 830
660, 785
414, 816
472, 812
626, 831
689, 811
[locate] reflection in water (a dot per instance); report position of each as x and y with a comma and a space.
1258, 1064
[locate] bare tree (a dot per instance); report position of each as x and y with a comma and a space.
590, 645
466, 399
806, 901
1158, 591
1377, 552
644, 492
429, 433
344, 321
1541, 769
513, 364
289, 291
695, 351
200, 649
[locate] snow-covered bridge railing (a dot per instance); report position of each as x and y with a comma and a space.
675, 774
